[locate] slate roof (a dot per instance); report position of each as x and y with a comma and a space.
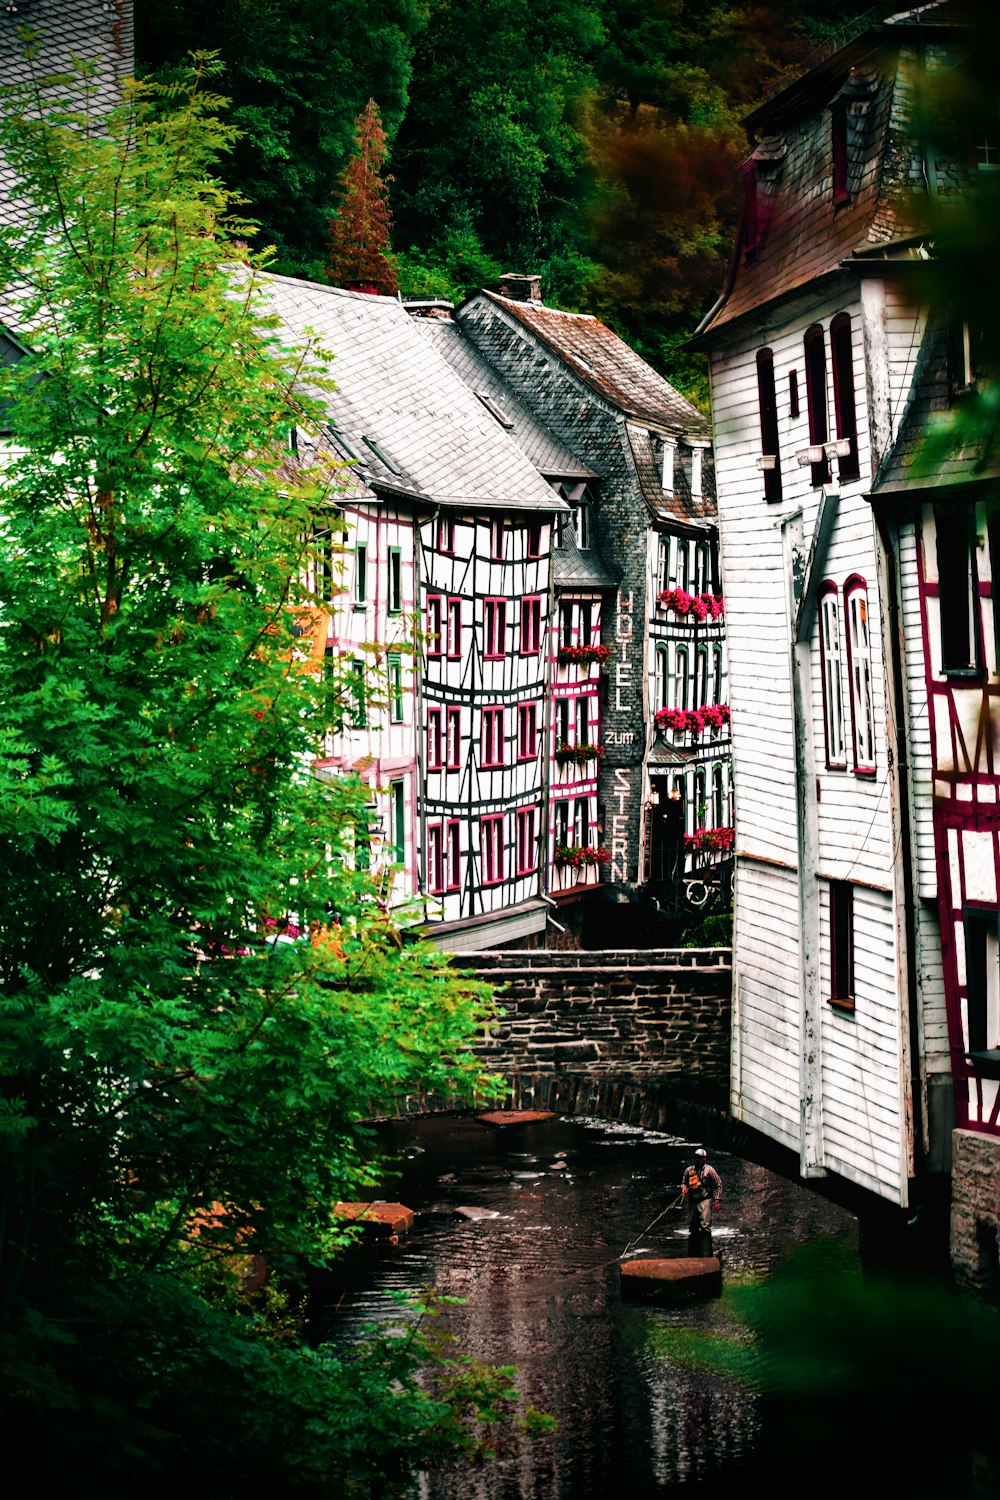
400, 410
803, 235
98, 31
549, 456
605, 363
678, 505
930, 452
572, 568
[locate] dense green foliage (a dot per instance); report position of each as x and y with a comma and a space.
183, 1072
595, 141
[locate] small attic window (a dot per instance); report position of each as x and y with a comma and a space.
385, 462
494, 410
838, 141
751, 215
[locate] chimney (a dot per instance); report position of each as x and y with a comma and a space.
521, 288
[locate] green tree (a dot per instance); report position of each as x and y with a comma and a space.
298, 72
184, 1075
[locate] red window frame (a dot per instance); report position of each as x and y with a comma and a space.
498, 539
845, 412
853, 586
531, 625
454, 627
491, 741
453, 739
767, 399
534, 540
446, 534
527, 842
435, 743
453, 859
834, 762
435, 859
491, 848
838, 149
842, 945
817, 400
494, 629
435, 624
527, 731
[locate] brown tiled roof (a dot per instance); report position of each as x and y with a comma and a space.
604, 362
803, 234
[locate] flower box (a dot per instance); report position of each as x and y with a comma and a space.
582, 655
693, 606
692, 720
578, 753
711, 839
573, 856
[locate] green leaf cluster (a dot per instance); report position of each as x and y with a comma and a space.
202, 998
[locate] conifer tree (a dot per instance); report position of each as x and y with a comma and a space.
360, 253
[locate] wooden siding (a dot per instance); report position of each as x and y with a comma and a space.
860, 1121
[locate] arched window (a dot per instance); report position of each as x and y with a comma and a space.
718, 796
817, 399
702, 683
681, 569
716, 674
681, 677
660, 678
833, 692
701, 808
842, 357
860, 673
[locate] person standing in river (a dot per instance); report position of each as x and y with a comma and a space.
701, 1185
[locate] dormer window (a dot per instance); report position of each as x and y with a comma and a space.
667, 475
838, 135
751, 214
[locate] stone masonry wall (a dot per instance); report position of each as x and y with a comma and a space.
975, 1210
636, 1017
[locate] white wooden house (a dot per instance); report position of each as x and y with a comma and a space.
644, 522
839, 1040
449, 587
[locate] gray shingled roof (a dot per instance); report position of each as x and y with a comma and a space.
572, 568
605, 363
678, 506
549, 456
98, 31
400, 408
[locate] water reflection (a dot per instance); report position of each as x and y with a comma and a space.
527, 1223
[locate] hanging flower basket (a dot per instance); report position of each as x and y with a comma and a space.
693, 606
578, 753
576, 855
582, 655
692, 720
715, 839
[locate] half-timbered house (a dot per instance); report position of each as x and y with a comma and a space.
447, 594
568, 725
644, 519
840, 1046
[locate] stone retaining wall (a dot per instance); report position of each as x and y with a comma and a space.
634, 1017
975, 1210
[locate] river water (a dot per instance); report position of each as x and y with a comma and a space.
526, 1223
806, 1371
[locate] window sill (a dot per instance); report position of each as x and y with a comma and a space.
844, 1006
987, 1063
965, 674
